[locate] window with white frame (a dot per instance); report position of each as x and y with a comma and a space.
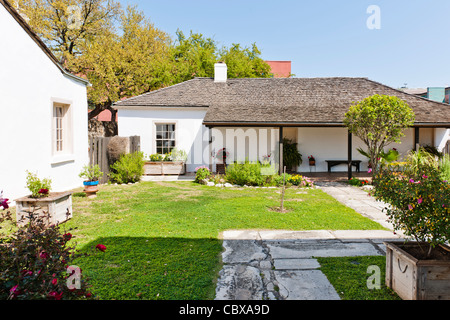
62, 129
165, 137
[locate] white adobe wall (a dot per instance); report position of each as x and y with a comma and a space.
441, 137
331, 144
28, 83
191, 135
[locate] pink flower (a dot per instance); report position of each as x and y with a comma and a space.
101, 247
370, 170
14, 290
419, 201
54, 281
410, 207
424, 176
411, 180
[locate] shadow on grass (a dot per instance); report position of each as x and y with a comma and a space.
152, 268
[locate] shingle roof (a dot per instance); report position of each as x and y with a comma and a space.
287, 101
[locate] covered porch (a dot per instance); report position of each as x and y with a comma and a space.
324, 142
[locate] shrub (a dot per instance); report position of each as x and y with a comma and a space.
34, 264
129, 168
420, 202
444, 167
38, 187
202, 173
246, 174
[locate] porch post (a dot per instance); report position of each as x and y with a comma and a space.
416, 138
349, 144
281, 151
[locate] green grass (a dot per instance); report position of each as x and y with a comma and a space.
162, 238
349, 276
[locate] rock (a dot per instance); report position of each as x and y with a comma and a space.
228, 185
210, 184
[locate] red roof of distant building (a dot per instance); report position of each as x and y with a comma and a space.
105, 115
280, 69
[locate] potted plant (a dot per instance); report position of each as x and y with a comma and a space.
312, 161
52, 207
91, 174
291, 157
419, 268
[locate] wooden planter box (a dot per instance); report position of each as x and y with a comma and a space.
414, 279
56, 208
164, 168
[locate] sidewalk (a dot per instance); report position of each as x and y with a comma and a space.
281, 265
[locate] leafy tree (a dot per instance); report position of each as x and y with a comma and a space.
196, 55
245, 62
123, 54
122, 66
378, 121
64, 25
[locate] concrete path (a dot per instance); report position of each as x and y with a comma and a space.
281, 265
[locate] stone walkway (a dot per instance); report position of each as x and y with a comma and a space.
281, 265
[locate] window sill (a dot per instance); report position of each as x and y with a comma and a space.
58, 159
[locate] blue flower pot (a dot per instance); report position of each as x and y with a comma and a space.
90, 183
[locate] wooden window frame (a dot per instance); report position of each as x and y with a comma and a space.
155, 135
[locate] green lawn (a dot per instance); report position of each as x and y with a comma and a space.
162, 238
349, 276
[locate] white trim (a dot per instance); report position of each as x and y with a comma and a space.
68, 132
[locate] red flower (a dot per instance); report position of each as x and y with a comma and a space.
54, 281
4, 203
55, 295
43, 191
67, 236
43, 255
101, 247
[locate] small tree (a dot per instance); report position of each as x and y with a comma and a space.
378, 121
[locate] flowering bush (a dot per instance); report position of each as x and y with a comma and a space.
300, 181
357, 182
201, 173
420, 202
34, 262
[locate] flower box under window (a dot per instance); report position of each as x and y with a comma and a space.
164, 168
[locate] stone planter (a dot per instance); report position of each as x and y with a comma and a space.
417, 279
55, 209
164, 168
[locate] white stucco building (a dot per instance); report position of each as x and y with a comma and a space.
247, 116
43, 112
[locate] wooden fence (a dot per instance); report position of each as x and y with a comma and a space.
98, 152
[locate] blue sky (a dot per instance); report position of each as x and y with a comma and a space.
325, 38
